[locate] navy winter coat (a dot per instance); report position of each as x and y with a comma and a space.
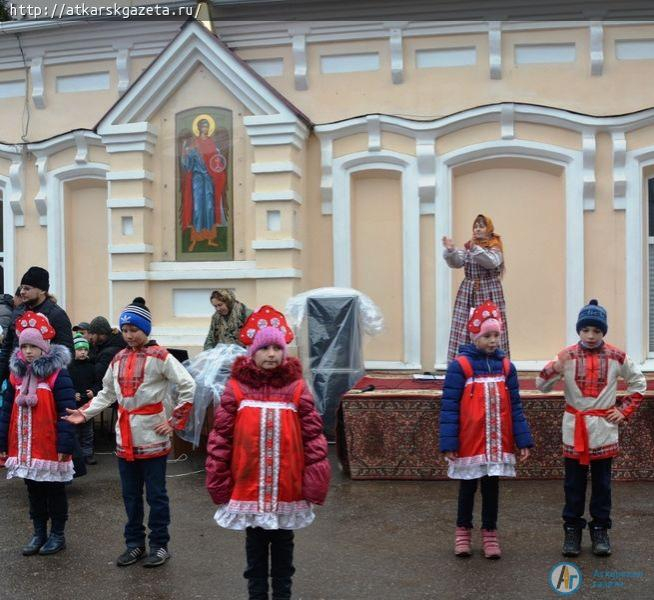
455, 380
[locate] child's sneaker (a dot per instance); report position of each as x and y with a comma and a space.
157, 557
572, 541
599, 536
490, 543
130, 556
462, 542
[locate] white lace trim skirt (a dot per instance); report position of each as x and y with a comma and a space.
40, 469
474, 467
240, 515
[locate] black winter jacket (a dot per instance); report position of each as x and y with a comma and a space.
103, 354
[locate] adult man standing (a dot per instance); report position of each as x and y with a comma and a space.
34, 288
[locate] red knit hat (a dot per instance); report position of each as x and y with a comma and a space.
35, 329
483, 319
264, 327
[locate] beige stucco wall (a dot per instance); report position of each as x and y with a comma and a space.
85, 248
376, 212
525, 199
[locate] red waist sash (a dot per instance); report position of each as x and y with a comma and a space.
125, 428
581, 432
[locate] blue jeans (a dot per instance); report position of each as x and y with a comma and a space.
133, 475
576, 477
85, 437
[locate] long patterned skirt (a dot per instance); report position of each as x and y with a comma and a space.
478, 286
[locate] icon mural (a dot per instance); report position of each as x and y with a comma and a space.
204, 191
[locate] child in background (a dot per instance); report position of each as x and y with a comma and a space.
35, 442
138, 379
481, 422
590, 370
82, 372
266, 455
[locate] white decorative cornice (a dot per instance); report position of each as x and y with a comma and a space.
80, 139
36, 74
495, 49
426, 163
82, 156
374, 133
280, 196
507, 122
596, 48
122, 67
41, 198
135, 175
130, 137
299, 48
397, 51
274, 131
588, 148
619, 143
204, 271
326, 177
276, 245
17, 182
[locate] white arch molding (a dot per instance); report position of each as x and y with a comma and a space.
343, 169
572, 163
8, 238
636, 305
55, 220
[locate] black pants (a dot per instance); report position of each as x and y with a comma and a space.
576, 477
268, 545
48, 501
490, 493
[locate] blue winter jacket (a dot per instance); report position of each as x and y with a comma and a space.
455, 380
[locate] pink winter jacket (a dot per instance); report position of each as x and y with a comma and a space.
258, 385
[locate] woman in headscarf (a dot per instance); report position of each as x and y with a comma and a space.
227, 321
482, 258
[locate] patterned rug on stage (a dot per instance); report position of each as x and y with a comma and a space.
391, 431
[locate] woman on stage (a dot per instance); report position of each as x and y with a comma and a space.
482, 258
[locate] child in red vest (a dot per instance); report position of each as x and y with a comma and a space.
35, 441
266, 455
481, 423
590, 370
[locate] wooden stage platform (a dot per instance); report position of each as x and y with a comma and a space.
391, 432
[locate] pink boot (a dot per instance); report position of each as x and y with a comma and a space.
462, 542
490, 543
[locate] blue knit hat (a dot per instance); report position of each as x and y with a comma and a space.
137, 314
593, 315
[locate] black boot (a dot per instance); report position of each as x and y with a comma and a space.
599, 537
258, 588
56, 542
572, 541
281, 587
38, 539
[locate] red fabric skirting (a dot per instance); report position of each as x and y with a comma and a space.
392, 432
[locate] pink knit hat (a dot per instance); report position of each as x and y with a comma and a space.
265, 337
